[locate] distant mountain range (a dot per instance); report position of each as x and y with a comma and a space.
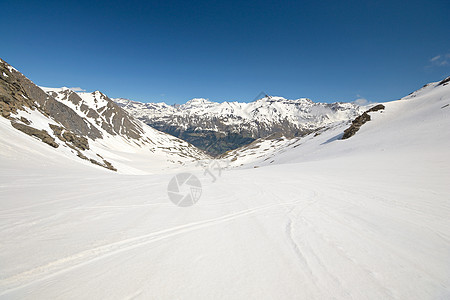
132, 137
220, 127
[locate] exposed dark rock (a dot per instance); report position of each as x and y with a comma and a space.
445, 81
25, 120
6, 114
95, 162
81, 155
121, 123
359, 121
376, 108
40, 134
108, 165
57, 130
12, 95
78, 141
356, 124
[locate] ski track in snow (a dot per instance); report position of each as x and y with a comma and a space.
67, 264
300, 212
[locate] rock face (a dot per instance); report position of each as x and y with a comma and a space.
71, 122
66, 136
98, 107
360, 121
220, 127
18, 92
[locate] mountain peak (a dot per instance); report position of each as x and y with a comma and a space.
198, 101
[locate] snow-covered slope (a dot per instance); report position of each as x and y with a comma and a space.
361, 218
87, 126
228, 125
413, 125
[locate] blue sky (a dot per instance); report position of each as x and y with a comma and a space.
173, 51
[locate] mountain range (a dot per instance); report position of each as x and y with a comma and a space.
107, 132
219, 127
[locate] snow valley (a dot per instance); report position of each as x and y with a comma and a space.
312, 201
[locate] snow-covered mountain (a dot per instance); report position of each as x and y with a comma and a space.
413, 123
322, 217
87, 126
219, 127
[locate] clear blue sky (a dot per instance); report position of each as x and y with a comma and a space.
230, 50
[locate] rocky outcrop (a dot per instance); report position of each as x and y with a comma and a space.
106, 164
25, 120
69, 137
13, 96
376, 108
40, 134
356, 124
78, 141
360, 121
445, 81
17, 93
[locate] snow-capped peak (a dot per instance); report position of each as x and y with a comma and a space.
198, 101
261, 118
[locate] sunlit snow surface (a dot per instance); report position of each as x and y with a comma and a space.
364, 218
